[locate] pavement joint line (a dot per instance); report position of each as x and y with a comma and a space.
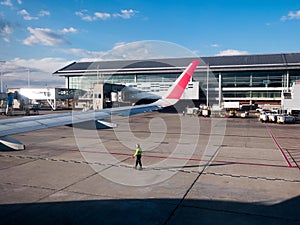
109, 165
58, 190
11, 156
30, 186
251, 177
183, 198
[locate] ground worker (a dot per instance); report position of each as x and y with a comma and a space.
9, 103
138, 155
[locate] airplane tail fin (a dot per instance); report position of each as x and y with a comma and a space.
177, 89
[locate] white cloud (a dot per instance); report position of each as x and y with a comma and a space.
6, 3
75, 51
147, 50
291, 16
26, 15
101, 16
83, 54
15, 72
5, 30
97, 16
119, 45
133, 50
20, 2
215, 45
117, 52
125, 14
44, 36
69, 30
47, 65
232, 52
44, 13
82, 14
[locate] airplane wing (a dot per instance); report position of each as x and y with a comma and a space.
26, 124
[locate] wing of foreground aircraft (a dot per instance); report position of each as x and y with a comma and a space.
26, 124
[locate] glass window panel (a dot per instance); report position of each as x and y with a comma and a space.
294, 75
236, 79
157, 77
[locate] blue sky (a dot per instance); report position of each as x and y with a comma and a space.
43, 36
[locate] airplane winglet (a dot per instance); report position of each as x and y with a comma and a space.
180, 84
177, 89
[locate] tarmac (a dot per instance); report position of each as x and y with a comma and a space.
195, 171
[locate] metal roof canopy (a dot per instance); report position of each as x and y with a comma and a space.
280, 61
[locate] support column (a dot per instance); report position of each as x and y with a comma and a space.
68, 87
287, 80
207, 76
67, 83
251, 81
1, 76
220, 89
1, 82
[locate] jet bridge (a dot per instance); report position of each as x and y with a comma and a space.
291, 100
47, 97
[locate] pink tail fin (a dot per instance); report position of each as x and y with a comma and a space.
180, 84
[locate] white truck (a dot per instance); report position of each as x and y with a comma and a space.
231, 105
273, 118
285, 119
263, 118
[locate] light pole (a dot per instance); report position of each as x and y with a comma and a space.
207, 75
1, 77
1, 82
28, 78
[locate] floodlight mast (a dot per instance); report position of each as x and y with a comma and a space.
1, 81
207, 75
1, 73
28, 78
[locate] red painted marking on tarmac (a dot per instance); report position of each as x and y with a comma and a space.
279, 146
177, 158
225, 162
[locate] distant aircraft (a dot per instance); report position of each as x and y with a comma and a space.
26, 124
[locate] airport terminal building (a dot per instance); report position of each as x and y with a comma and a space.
249, 79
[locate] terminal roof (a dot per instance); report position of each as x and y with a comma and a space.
281, 61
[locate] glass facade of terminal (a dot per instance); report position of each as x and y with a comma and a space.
87, 82
252, 85
239, 85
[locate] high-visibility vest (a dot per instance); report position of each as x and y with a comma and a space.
138, 151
